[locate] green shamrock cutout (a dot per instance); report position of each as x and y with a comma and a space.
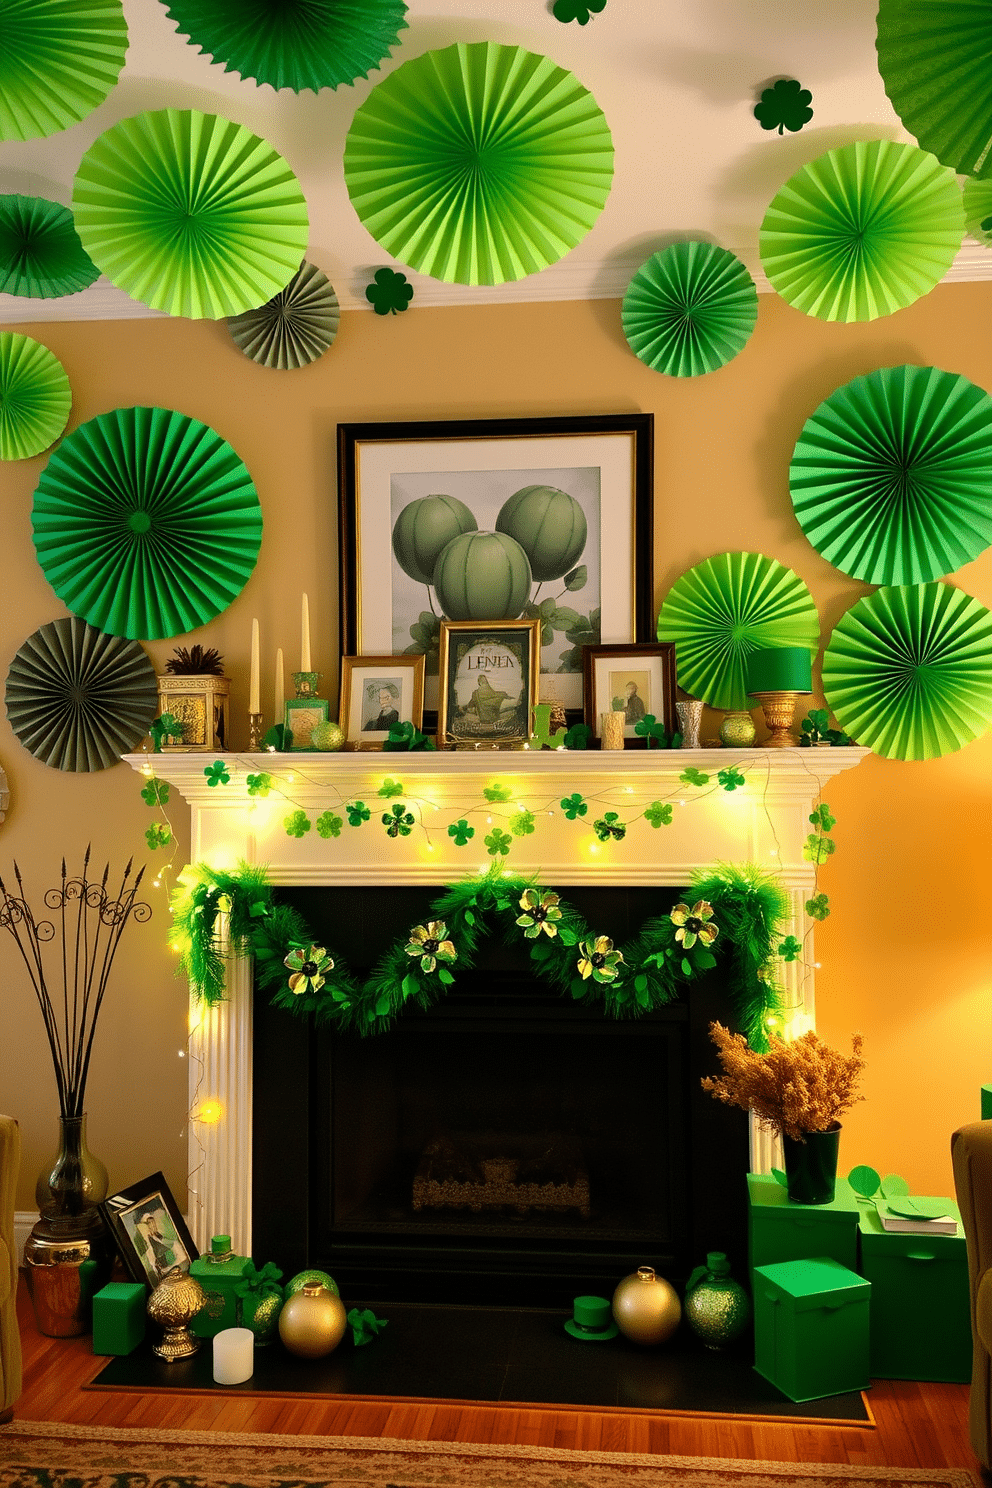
576, 10
522, 823
610, 826
692, 776
156, 792
259, 785
818, 907
163, 729
390, 788
649, 728
297, 824
157, 835
731, 778
329, 825
407, 736
578, 736
573, 806
358, 812
790, 949
784, 106
497, 792
817, 849
399, 822
461, 832
542, 737
217, 773
498, 843
390, 292
822, 818
660, 813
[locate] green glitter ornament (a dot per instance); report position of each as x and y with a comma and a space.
306, 1278
717, 1308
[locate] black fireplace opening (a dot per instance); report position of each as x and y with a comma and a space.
507, 1144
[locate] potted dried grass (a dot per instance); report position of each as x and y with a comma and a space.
195, 691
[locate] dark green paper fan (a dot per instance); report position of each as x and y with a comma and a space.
294, 44
935, 58
146, 523
689, 309
891, 478
35, 397
78, 699
41, 256
908, 671
724, 609
479, 163
294, 328
58, 60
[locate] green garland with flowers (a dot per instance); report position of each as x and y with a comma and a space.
733, 912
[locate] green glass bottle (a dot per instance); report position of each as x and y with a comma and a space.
717, 1308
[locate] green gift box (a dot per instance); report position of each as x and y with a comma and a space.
779, 1230
119, 1317
219, 1274
811, 1328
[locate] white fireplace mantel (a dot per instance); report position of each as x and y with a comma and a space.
763, 822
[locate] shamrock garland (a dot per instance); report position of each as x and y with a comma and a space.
736, 910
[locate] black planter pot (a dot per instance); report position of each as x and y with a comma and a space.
811, 1166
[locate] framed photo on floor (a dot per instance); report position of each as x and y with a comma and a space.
149, 1230
378, 692
488, 683
635, 679
546, 518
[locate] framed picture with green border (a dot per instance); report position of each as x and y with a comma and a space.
302, 716
488, 679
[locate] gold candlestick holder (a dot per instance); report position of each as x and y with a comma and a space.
254, 733
779, 709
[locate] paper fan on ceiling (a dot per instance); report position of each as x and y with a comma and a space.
727, 607
296, 44
35, 397
908, 671
58, 60
977, 196
479, 163
936, 64
891, 478
190, 213
146, 523
78, 699
689, 309
862, 231
41, 256
296, 327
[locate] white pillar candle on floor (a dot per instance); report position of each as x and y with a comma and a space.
305, 638
254, 706
234, 1356
280, 689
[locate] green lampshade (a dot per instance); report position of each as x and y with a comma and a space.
780, 669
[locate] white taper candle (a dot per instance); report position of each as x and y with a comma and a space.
254, 706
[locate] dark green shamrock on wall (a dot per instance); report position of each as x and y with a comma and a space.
784, 106
389, 293
577, 10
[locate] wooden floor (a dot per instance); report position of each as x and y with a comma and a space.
916, 1425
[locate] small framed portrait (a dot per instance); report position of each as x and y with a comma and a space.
488, 677
634, 680
378, 692
150, 1232
302, 716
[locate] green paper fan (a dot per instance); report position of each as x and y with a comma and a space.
908, 671
936, 64
146, 523
35, 398
724, 609
689, 309
58, 60
78, 699
190, 213
862, 231
479, 163
977, 197
294, 44
41, 256
294, 328
891, 478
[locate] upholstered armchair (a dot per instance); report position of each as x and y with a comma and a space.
10, 1339
971, 1153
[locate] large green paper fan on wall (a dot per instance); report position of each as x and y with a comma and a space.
35, 397
41, 256
862, 231
190, 213
935, 59
977, 196
689, 309
146, 523
908, 671
58, 60
727, 607
891, 478
296, 43
479, 164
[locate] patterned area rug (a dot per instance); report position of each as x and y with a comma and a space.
45, 1455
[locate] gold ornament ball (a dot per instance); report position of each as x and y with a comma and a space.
312, 1322
646, 1308
327, 737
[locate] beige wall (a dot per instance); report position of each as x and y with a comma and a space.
905, 953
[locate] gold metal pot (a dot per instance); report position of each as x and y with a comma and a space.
173, 1305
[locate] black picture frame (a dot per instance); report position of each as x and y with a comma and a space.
140, 1219
655, 661
613, 453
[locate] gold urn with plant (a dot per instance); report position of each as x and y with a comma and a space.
194, 696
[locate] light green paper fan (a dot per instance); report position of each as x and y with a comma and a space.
689, 309
935, 60
58, 60
190, 213
294, 328
891, 478
146, 523
862, 231
294, 44
41, 256
479, 163
727, 607
908, 671
35, 397
978, 210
